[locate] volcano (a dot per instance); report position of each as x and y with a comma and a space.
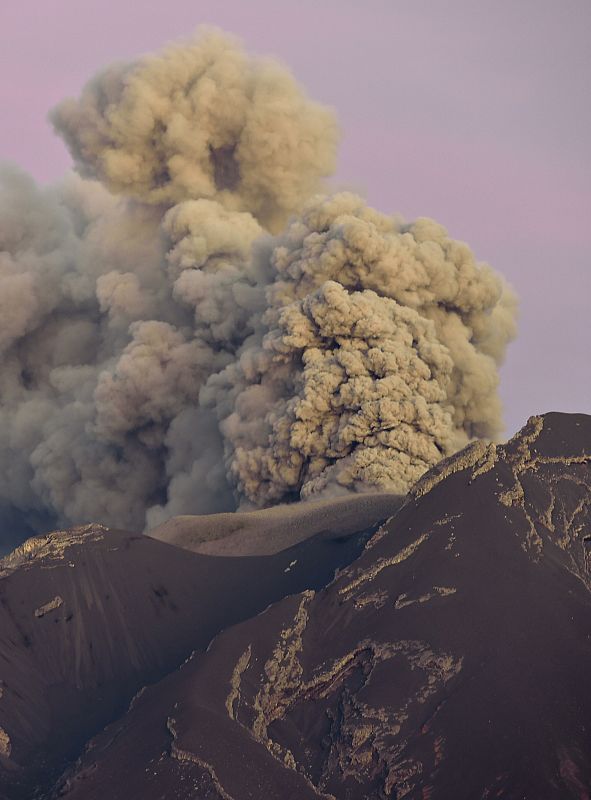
432, 649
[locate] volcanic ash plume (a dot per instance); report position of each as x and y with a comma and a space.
377, 356
204, 121
171, 344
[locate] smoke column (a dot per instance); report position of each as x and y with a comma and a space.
188, 325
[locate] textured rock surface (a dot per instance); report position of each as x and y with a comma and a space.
451, 660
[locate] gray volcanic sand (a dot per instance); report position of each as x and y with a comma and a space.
271, 530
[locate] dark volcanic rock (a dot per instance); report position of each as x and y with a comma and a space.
89, 616
451, 661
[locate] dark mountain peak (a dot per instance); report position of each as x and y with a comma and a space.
450, 660
447, 658
545, 439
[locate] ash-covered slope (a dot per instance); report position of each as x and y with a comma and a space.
270, 530
451, 660
89, 616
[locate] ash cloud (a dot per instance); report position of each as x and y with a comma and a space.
377, 355
203, 121
187, 326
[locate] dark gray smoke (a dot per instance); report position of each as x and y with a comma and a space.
167, 349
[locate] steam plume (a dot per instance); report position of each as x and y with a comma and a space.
171, 344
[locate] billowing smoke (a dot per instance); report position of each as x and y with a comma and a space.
187, 325
204, 121
377, 355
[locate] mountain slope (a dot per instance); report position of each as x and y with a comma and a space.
450, 660
89, 616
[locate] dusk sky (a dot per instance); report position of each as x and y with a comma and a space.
476, 114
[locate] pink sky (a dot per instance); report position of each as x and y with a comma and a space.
476, 114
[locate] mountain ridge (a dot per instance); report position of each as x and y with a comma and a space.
449, 660
447, 657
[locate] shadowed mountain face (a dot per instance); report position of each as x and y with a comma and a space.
89, 616
451, 660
